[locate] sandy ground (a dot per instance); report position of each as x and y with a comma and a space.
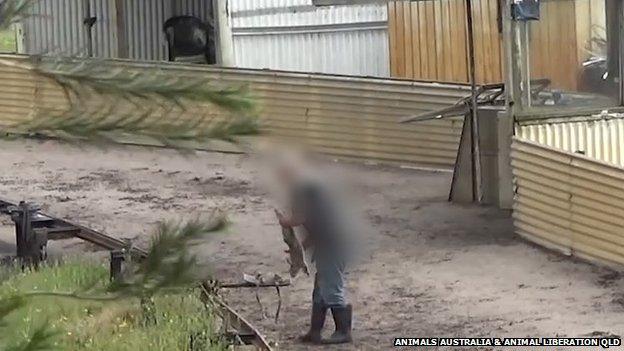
433, 268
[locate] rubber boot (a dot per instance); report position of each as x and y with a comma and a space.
342, 319
317, 321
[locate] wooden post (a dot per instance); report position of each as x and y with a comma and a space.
477, 191
120, 26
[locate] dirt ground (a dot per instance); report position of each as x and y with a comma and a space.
432, 268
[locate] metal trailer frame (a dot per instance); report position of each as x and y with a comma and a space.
33, 230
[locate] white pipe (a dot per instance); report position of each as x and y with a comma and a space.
225, 49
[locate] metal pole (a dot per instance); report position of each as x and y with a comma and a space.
225, 47
123, 51
88, 27
477, 193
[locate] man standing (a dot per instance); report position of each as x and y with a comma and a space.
316, 208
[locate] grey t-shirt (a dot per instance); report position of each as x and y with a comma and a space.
323, 218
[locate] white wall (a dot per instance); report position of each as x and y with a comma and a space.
293, 35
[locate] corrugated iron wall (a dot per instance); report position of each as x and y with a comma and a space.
569, 202
294, 35
601, 139
198, 8
290, 35
145, 20
105, 31
144, 25
342, 116
57, 27
62, 32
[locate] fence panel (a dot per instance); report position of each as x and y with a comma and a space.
569, 202
295, 35
600, 138
339, 115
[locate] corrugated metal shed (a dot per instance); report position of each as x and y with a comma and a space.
104, 32
56, 27
343, 116
144, 22
294, 35
290, 35
198, 8
599, 138
569, 202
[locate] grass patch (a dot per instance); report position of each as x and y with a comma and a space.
168, 322
7, 41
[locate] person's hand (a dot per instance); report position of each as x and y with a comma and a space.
281, 219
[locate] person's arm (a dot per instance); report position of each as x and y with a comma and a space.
289, 222
307, 242
294, 221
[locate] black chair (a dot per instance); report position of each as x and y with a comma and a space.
190, 40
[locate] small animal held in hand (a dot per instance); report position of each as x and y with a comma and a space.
297, 255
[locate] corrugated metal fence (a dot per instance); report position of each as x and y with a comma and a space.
569, 202
343, 116
598, 138
294, 35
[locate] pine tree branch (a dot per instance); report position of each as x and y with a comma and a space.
107, 101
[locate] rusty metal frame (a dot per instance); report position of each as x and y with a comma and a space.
242, 329
58, 229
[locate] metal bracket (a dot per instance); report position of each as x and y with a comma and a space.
119, 260
525, 10
31, 241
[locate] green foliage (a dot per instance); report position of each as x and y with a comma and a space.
7, 41
178, 320
169, 264
122, 81
13, 11
34, 324
9, 305
77, 298
108, 100
41, 339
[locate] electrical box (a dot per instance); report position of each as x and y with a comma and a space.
525, 10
